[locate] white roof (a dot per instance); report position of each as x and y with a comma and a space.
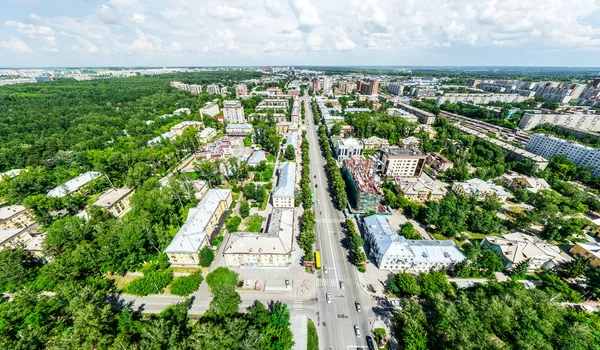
278, 239
257, 157
11, 173
35, 244
112, 196
478, 187
517, 247
390, 243
11, 210
239, 126
410, 186
291, 138
73, 184
287, 180
206, 132
6, 234
190, 236
592, 247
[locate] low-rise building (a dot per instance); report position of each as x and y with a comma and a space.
116, 200
10, 174
401, 162
394, 252
410, 142
480, 189
164, 136
207, 134
516, 181
397, 112
283, 195
73, 185
177, 130
438, 162
284, 127
14, 237
515, 248
419, 190
15, 216
291, 138
270, 249
423, 116
233, 111
375, 142
198, 227
239, 129
587, 250
351, 110
210, 109
257, 157
181, 111
346, 148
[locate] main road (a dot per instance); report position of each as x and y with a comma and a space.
335, 320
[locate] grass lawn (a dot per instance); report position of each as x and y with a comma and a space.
193, 176
121, 281
253, 223
516, 209
263, 205
265, 175
312, 336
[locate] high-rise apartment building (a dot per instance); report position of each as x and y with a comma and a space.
213, 89
241, 90
396, 88
401, 162
327, 85
371, 88
233, 112
549, 146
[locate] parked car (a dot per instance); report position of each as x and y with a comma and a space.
357, 330
328, 298
370, 343
357, 304
287, 283
341, 284
325, 268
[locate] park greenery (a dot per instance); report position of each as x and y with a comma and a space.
391, 128
493, 316
305, 190
307, 236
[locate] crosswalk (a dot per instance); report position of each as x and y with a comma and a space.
328, 282
297, 305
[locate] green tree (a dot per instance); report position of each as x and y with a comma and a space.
290, 153
435, 282
209, 171
222, 276
233, 223
519, 270
409, 232
404, 285
244, 209
575, 268
206, 256
17, 268
186, 285
226, 301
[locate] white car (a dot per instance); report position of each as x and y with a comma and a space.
325, 268
328, 298
341, 284
357, 330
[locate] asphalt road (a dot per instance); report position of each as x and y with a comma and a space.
336, 320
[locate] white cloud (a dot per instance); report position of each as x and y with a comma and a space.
306, 13
341, 42
15, 45
30, 29
225, 12
35, 17
221, 41
137, 18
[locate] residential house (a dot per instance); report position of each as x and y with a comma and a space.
438, 162
210, 109
207, 134
587, 250
283, 195
198, 227
419, 190
480, 189
177, 130
73, 185
410, 142
239, 129
375, 142
516, 181
515, 248
270, 249
116, 200
15, 216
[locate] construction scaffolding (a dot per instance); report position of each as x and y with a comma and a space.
364, 194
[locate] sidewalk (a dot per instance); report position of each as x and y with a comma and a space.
299, 330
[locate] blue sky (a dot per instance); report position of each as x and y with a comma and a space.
299, 32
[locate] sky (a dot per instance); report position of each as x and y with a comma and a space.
74, 33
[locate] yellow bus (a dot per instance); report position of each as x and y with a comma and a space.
318, 260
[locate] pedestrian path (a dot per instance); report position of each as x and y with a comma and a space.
297, 305
328, 282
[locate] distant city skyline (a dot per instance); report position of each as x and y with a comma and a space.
116, 33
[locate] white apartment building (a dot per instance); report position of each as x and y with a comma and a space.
73, 185
327, 85
587, 122
396, 88
401, 162
233, 112
213, 89
393, 252
480, 189
548, 146
283, 195
397, 112
239, 129
207, 134
210, 109
346, 148
479, 99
